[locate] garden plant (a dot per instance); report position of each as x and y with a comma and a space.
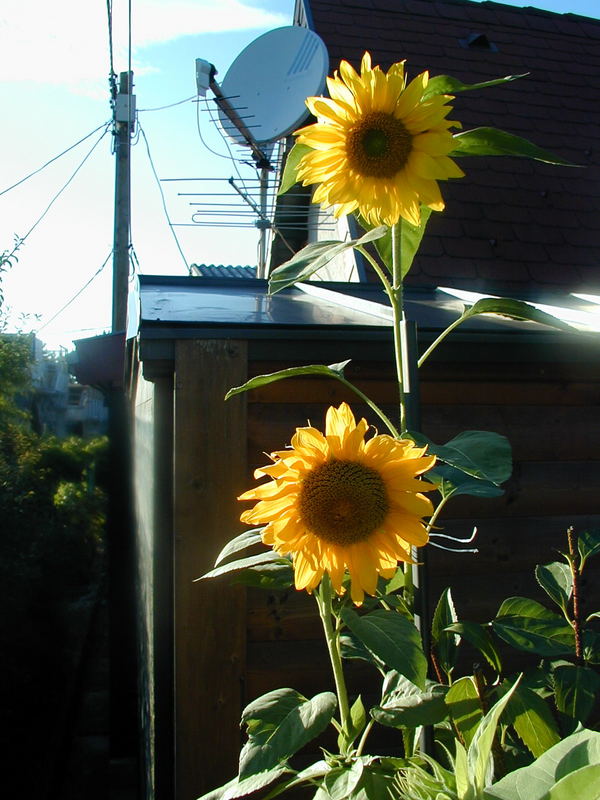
344, 512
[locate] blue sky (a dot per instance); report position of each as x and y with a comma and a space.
53, 80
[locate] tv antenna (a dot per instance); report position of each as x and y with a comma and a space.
262, 99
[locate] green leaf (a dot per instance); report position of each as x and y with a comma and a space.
514, 309
480, 638
292, 161
444, 641
353, 649
588, 544
583, 784
481, 454
311, 258
317, 770
340, 784
480, 750
244, 563
575, 690
529, 626
300, 725
254, 782
277, 576
241, 542
533, 782
406, 706
266, 712
332, 371
591, 646
358, 716
464, 705
392, 639
446, 84
410, 240
494, 142
556, 580
453, 482
531, 718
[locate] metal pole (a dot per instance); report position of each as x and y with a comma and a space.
410, 379
261, 271
124, 112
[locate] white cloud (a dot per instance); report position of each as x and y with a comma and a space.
66, 42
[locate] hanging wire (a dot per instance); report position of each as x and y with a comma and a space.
162, 194
21, 239
76, 295
171, 105
52, 160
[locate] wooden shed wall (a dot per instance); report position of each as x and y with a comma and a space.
229, 645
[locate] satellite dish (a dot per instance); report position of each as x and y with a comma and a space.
269, 81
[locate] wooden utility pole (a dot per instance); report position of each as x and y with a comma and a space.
124, 118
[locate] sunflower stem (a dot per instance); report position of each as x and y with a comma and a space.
397, 301
324, 602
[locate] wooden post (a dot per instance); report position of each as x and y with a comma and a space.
210, 616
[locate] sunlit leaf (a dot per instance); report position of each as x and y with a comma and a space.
494, 142
576, 690
292, 161
532, 719
483, 455
534, 782
480, 638
244, 563
464, 705
239, 543
277, 576
529, 626
556, 580
331, 371
406, 706
311, 258
254, 783
446, 84
392, 639
588, 544
300, 724
452, 482
444, 641
515, 309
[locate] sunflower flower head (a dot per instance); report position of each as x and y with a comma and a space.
338, 503
379, 145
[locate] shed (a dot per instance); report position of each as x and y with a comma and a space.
208, 648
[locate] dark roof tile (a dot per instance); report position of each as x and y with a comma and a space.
542, 218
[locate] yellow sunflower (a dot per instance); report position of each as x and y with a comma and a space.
378, 146
337, 502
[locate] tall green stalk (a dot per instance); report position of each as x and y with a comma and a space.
332, 637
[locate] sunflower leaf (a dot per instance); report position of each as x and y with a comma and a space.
241, 542
332, 371
295, 155
392, 639
482, 454
588, 544
275, 576
279, 738
556, 580
479, 637
446, 84
410, 239
529, 626
514, 309
311, 258
575, 690
494, 142
532, 719
464, 704
453, 482
244, 563
445, 642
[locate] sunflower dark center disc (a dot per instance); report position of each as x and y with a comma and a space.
378, 145
343, 502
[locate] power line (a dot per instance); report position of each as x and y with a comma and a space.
76, 295
64, 152
171, 105
162, 194
21, 239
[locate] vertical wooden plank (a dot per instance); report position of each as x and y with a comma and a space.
210, 617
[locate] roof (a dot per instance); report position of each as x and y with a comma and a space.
222, 271
510, 223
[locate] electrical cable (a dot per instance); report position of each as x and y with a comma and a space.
21, 239
171, 105
76, 295
112, 75
162, 194
64, 152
